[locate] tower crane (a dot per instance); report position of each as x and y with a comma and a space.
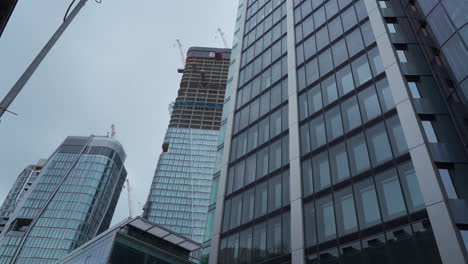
18, 86
181, 51
221, 33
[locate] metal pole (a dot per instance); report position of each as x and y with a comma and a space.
16, 89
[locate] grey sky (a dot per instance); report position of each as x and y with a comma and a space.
116, 63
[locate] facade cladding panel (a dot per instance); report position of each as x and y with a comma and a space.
180, 191
71, 201
340, 146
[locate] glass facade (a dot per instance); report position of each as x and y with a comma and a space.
337, 120
130, 242
181, 190
71, 201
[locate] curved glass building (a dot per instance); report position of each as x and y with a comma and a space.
71, 201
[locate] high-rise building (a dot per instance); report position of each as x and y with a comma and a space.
71, 201
6, 9
19, 189
345, 136
180, 191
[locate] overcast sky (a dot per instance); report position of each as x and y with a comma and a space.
116, 63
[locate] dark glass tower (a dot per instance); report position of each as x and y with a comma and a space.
71, 201
180, 191
346, 134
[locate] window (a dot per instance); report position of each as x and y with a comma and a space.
227, 211
358, 156
345, 80
383, 4
252, 138
309, 47
413, 86
375, 61
262, 162
334, 123
385, 95
309, 225
390, 195
261, 199
410, 184
335, 28
307, 181
286, 232
314, 98
397, 138
325, 219
429, 130
322, 38
351, 114
274, 186
361, 70
312, 71
274, 236
379, 146
318, 136
245, 245
402, 55
339, 163
349, 18
275, 156
345, 212
236, 211
259, 241
340, 53
251, 164
448, 183
391, 27
264, 131
369, 104
305, 139
239, 175
367, 205
354, 41
321, 171
329, 91
325, 62
248, 206
275, 123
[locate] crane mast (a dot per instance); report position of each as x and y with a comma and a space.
181, 51
221, 33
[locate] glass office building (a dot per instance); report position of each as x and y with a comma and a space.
180, 191
345, 136
19, 189
71, 201
136, 241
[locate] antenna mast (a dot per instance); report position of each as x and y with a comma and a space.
221, 33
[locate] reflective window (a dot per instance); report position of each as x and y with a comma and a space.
391, 27
307, 180
329, 90
367, 205
358, 156
321, 171
385, 95
326, 228
390, 195
318, 137
361, 70
448, 183
351, 114
369, 104
349, 18
340, 53
345, 212
314, 98
397, 138
236, 211
261, 199
251, 164
402, 55
245, 246
354, 41
305, 139
379, 146
262, 162
429, 130
248, 206
274, 236
413, 86
334, 123
339, 163
310, 225
259, 241
345, 81
325, 62
275, 197
410, 184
